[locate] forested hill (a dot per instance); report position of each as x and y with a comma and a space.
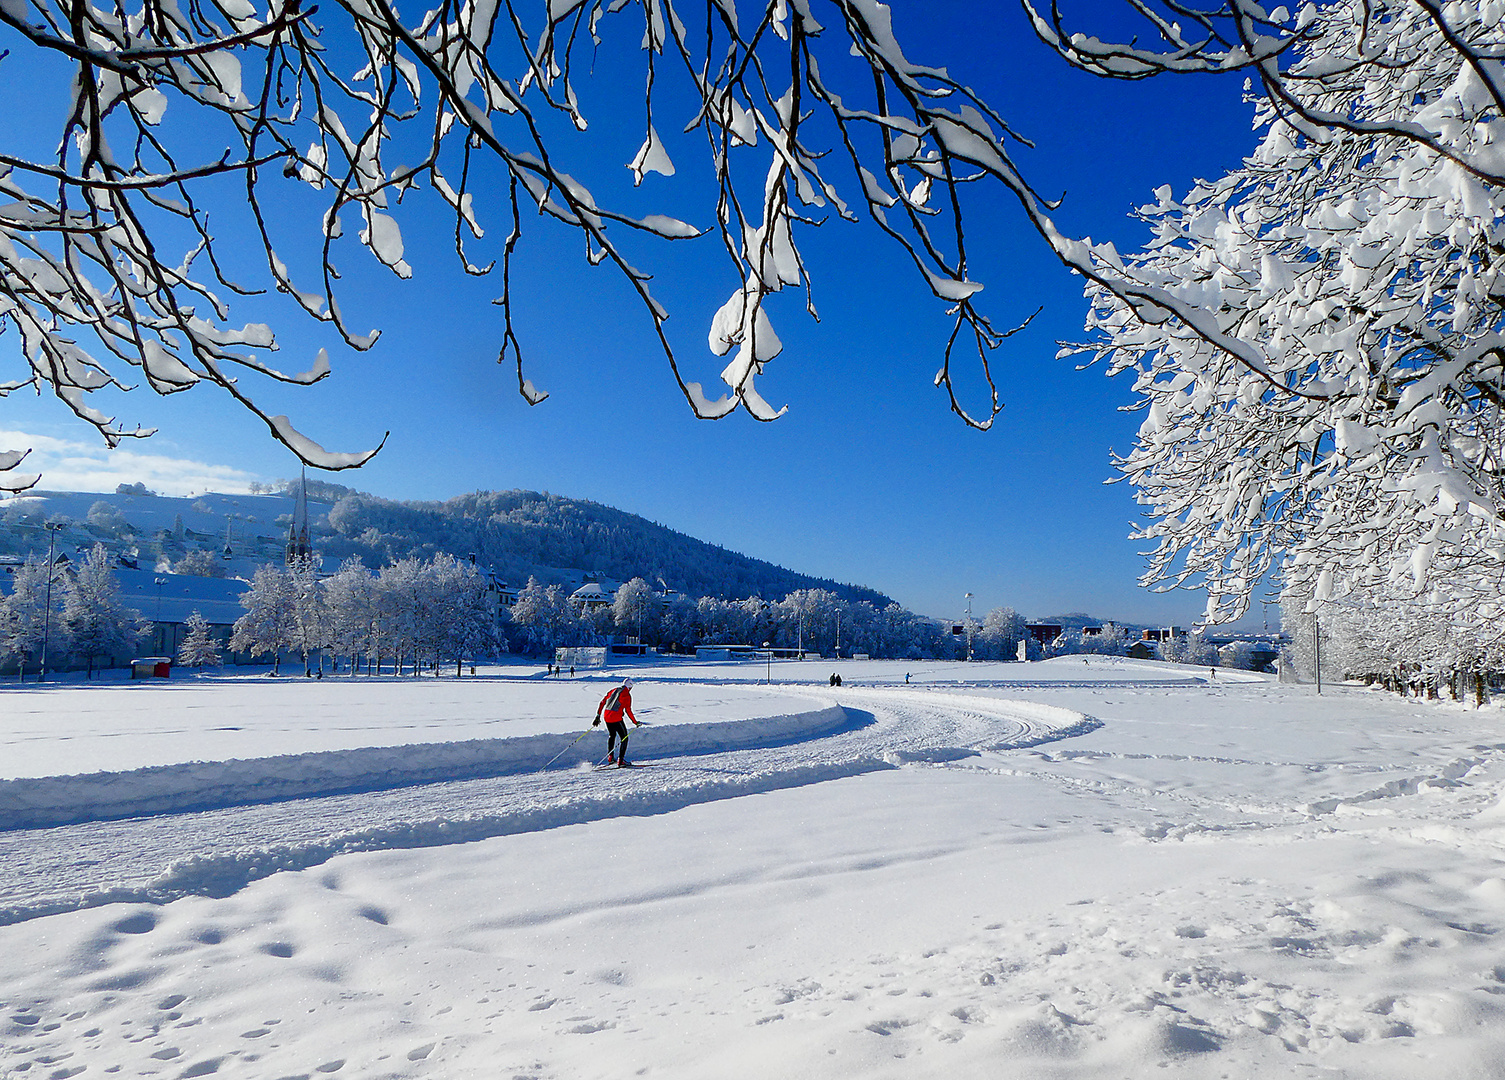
519, 533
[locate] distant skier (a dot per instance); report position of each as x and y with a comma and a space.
616, 702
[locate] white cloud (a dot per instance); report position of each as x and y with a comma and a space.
66, 465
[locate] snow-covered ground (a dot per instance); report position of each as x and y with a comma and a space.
1060, 870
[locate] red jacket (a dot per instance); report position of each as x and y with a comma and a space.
615, 703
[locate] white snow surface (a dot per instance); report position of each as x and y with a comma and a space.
1057, 870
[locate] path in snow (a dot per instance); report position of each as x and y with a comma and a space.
379, 805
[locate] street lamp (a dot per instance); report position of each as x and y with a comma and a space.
1317, 647
161, 639
969, 626
768, 656
53, 528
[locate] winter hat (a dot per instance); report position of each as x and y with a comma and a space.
627, 682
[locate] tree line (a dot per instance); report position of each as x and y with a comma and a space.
412, 613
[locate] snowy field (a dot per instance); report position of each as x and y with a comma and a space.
1058, 870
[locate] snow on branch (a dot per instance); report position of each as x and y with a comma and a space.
808, 108
1316, 337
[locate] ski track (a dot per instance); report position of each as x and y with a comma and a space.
190, 850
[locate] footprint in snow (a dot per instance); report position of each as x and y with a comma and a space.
203, 1068
140, 922
590, 1028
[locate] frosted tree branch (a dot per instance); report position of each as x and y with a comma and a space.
358, 105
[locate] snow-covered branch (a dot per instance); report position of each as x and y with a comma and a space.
808, 108
1316, 336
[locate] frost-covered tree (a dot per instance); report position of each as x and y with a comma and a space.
199, 563
304, 126
310, 628
400, 620
199, 647
634, 610
459, 612
349, 600
679, 623
270, 623
1316, 336
1190, 648
541, 615
998, 639
94, 621
22, 614
1238, 655
1392, 635
103, 515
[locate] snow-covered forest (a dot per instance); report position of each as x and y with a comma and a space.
523, 533
516, 534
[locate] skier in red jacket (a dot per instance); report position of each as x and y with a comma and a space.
616, 702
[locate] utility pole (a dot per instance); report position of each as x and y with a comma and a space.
53, 528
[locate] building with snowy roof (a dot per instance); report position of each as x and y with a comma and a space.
592, 595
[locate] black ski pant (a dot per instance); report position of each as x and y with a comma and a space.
616, 729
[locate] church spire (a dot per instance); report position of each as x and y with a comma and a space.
298, 547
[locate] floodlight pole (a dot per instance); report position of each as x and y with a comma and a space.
768, 656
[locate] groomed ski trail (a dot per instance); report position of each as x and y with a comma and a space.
215, 852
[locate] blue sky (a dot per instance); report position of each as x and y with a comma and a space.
869, 478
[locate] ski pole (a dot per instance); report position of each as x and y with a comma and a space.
566, 750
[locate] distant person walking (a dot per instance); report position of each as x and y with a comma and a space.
617, 701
